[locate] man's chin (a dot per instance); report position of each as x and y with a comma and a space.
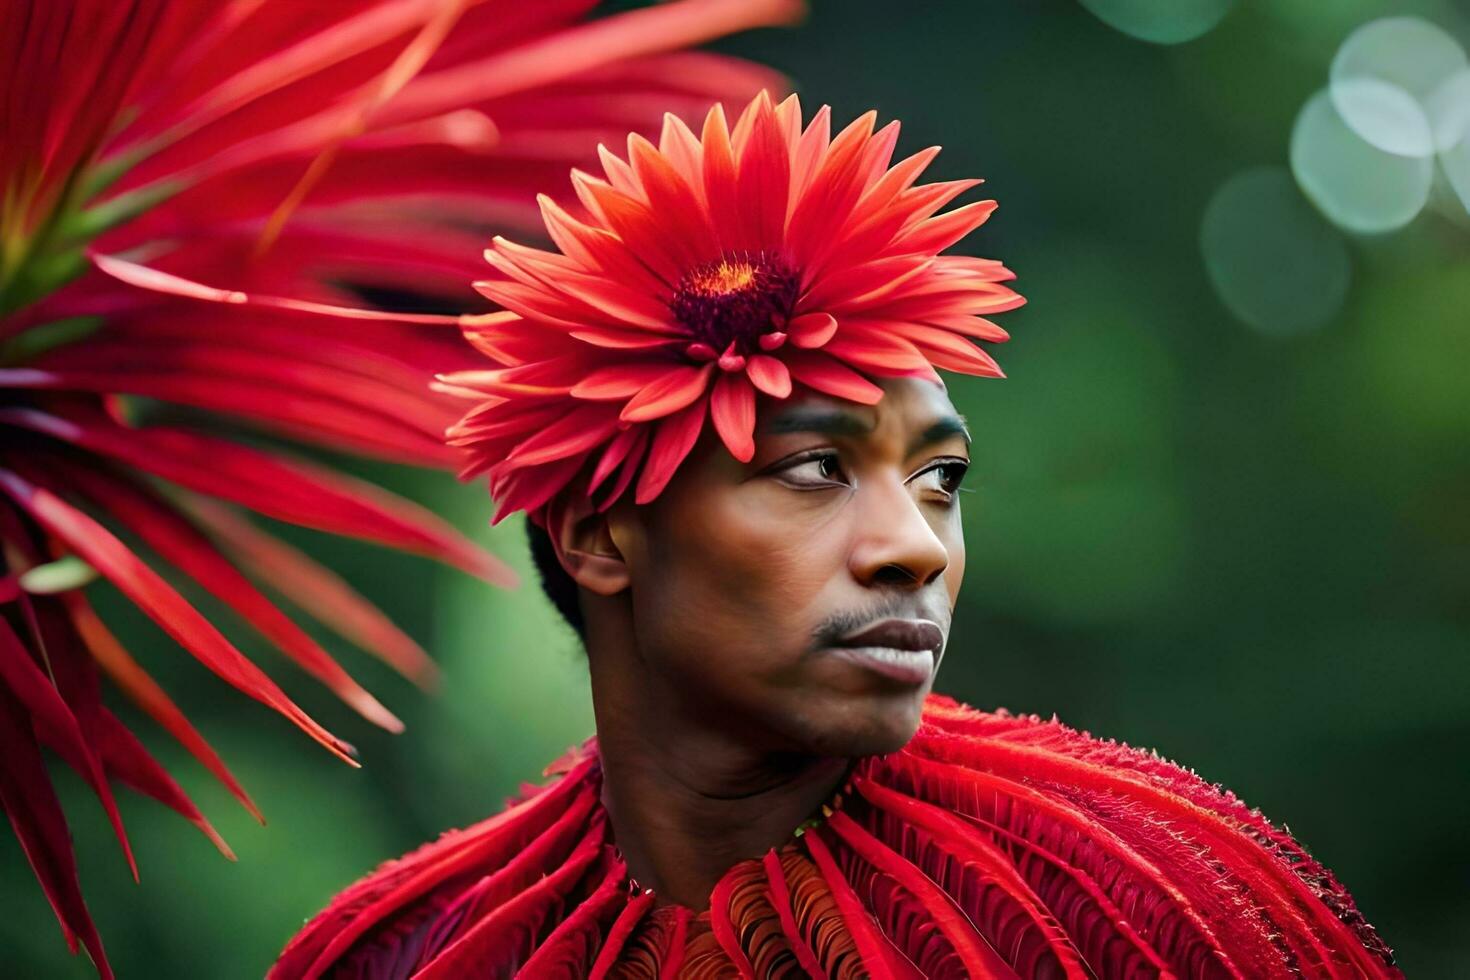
871, 724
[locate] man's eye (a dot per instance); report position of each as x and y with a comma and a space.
943, 477
822, 470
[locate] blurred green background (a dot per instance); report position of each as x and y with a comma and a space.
1223, 500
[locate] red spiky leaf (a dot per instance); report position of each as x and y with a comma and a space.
275, 151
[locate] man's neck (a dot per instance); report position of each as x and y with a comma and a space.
687, 800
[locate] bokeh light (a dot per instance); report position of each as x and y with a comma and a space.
1358, 186
1456, 165
1449, 110
1273, 261
1160, 21
1387, 81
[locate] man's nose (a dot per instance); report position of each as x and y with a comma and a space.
895, 545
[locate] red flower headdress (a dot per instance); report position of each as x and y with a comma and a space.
707, 269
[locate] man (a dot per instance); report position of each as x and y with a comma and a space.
765, 599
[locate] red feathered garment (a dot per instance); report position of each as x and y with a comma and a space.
990, 846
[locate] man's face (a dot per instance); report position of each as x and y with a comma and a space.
803, 599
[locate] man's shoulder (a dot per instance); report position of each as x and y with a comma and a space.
385, 923
1105, 816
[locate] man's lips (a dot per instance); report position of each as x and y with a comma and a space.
900, 649
898, 634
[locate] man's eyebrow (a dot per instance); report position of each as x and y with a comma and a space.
942, 429
831, 422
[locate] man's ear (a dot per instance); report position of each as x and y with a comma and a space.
584, 545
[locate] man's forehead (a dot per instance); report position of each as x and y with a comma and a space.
914, 404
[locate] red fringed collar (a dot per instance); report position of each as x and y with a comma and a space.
992, 845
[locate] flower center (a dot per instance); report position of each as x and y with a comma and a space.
734, 305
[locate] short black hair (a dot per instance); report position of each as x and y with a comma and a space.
559, 587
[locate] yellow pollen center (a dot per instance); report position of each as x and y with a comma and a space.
723, 279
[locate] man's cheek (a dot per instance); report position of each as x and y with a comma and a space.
954, 575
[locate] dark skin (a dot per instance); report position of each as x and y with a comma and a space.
726, 710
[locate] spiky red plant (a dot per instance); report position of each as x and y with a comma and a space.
292, 148
711, 268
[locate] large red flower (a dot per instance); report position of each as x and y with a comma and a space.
709, 269
279, 147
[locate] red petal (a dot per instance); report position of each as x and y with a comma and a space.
681, 148
880, 352
618, 339
876, 218
971, 326
619, 174
719, 179
575, 433
732, 408
947, 350
788, 120
351, 36
830, 376
617, 450
898, 178
595, 248
527, 488
597, 297
933, 297
811, 329
618, 381
769, 375
539, 378
859, 287
630, 465
921, 202
534, 302
1282, 879
833, 192
878, 154
643, 231
680, 211
937, 234
810, 151
675, 437
765, 176
678, 388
